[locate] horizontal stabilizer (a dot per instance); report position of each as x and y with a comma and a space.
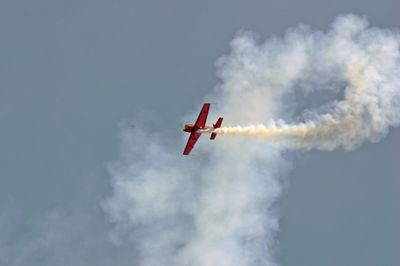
216, 125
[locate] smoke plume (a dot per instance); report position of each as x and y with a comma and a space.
367, 61
217, 206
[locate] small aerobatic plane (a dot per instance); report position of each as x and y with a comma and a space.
200, 127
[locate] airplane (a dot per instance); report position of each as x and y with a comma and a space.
199, 128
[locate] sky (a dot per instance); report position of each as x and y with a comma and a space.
77, 77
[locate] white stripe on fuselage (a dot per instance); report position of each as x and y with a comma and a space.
205, 130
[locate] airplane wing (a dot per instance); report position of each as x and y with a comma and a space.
202, 118
194, 136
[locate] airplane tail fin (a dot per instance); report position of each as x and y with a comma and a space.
216, 125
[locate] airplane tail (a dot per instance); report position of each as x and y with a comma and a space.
216, 125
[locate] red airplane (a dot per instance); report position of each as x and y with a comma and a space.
200, 127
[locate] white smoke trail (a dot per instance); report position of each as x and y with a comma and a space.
216, 207
368, 60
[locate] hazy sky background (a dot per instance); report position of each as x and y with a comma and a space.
71, 71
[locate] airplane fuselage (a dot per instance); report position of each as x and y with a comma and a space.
192, 128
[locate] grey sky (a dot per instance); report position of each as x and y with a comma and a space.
70, 71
